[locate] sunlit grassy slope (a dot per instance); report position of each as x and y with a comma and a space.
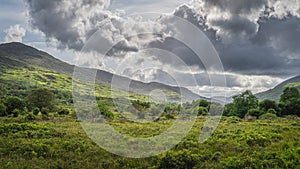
25, 67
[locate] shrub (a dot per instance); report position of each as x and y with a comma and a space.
257, 139
179, 160
216, 156
63, 111
272, 111
265, 105
41, 98
45, 111
30, 117
202, 111
13, 103
268, 116
16, 112
255, 112
105, 110
36, 111
170, 116
2, 109
291, 117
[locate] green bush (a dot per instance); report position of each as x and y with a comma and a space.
272, 111
170, 116
36, 111
45, 111
16, 113
13, 103
265, 105
268, 116
2, 109
41, 98
179, 160
105, 110
30, 117
63, 111
216, 156
255, 112
202, 111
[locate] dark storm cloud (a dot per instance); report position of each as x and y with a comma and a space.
249, 40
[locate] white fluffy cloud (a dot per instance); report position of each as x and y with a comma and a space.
73, 22
14, 34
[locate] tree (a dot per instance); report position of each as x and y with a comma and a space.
289, 93
41, 98
204, 103
291, 107
243, 103
255, 112
290, 101
265, 105
228, 109
13, 103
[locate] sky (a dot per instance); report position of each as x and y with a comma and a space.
257, 41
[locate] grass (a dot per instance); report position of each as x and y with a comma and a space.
20, 81
60, 142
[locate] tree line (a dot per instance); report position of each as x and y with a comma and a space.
247, 104
39, 100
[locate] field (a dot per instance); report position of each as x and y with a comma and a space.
51, 136
60, 142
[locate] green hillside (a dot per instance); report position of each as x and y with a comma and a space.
274, 94
37, 68
44, 138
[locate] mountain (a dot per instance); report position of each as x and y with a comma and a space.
274, 94
14, 56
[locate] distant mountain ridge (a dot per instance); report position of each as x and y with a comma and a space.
13, 55
274, 94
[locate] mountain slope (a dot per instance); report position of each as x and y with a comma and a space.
19, 56
274, 94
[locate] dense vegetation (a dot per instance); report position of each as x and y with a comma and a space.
46, 134
247, 105
39, 127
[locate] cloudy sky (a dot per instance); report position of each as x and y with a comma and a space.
257, 40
